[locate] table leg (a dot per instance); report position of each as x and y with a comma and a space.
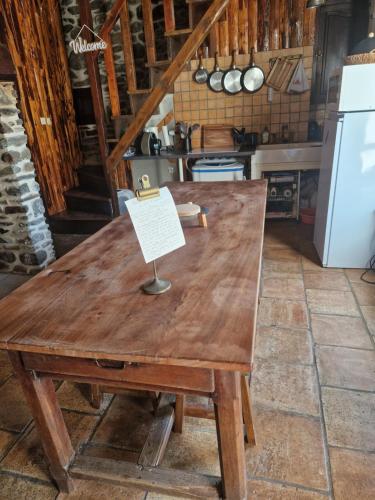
229, 425
246, 410
96, 396
41, 396
179, 413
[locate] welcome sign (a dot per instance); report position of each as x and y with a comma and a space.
80, 45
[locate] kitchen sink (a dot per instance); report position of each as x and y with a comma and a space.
280, 157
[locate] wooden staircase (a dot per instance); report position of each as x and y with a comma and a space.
94, 203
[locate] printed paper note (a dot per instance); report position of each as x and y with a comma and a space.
157, 225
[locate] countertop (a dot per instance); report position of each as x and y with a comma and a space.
196, 153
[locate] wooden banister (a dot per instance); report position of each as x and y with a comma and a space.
187, 51
127, 47
169, 20
148, 28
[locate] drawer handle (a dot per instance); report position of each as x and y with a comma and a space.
109, 364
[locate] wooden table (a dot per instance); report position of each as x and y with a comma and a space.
85, 319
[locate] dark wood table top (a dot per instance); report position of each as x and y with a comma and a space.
89, 304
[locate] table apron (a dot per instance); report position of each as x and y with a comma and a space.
127, 375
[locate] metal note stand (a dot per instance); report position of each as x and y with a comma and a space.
157, 285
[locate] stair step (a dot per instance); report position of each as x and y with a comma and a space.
85, 201
92, 179
175, 33
76, 222
159, 64
139, 91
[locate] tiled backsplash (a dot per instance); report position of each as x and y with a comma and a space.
196, 103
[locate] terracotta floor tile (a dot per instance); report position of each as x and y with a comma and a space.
16, 488
263, 490
282, 345
283, 313
5, 367
27, 457
14, 411
126, 423
326, 280
289, 289
340, 330
364, 293
348, 368
352, 474
354, 275
289, 448
73, 396
331, 302
369, 315
349, 418
193, 450
6, 439
311, 264
281, 266
275, 385
92, 490
281, 254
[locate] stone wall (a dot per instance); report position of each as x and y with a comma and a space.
25, 240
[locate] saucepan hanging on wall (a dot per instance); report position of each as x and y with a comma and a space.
201, 75
232, 78
215, 80
253, 78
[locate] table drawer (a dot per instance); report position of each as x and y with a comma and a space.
196, 379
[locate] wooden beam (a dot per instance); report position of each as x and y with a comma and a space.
148, 27
156, 442
253, 24
233, 25
243, 27
127, 47
212, 15
112, 80
224, 35
309, 27
98, 104
274, 25
284, 23
111, 19
169, 481
169, 20
214, 40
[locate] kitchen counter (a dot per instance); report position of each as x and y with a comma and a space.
194, 155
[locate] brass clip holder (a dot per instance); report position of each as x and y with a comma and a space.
157, 285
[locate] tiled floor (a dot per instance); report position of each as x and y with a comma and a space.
313, 390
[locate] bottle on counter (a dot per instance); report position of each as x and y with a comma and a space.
265, 137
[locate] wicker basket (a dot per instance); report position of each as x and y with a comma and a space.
368, 58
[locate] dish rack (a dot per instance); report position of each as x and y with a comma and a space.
283, 195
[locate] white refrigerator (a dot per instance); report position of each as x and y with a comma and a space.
344, 234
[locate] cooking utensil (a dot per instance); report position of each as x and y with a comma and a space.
238, 135
279, 73
251, 139
201, 75
216, 76
253, 78
232, 78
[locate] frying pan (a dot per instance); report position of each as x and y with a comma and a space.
232, 78
216, 77
253, 77
201, 75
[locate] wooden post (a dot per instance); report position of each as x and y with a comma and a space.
233, 25
148, 26
127, 47
41, 396
195, 39
214, 40
243, 27
274, 25
179, 413
224, 35
284, 23
111, 79
169, 20
253, 24
309, 27
98, 105
230, 435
